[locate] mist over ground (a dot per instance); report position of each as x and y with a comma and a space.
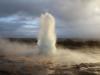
19, 50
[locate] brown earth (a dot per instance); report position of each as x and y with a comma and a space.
24, 66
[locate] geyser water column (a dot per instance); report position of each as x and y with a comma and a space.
47, 36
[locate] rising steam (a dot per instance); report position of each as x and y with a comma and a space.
47, 35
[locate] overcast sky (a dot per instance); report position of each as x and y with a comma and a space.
74, 18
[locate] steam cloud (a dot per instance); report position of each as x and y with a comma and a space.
47, 35
63, 56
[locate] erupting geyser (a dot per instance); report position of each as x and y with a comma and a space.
47, 36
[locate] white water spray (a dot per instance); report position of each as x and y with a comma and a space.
47, 36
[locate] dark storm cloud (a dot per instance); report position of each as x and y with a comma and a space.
75, 18
8, 7
22, 8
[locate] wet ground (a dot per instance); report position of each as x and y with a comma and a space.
25, 66
15, 61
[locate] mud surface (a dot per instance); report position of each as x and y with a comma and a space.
21, 66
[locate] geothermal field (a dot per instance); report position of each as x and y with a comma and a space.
49, 55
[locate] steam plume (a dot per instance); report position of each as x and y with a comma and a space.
47, 36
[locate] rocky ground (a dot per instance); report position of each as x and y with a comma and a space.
21, 66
